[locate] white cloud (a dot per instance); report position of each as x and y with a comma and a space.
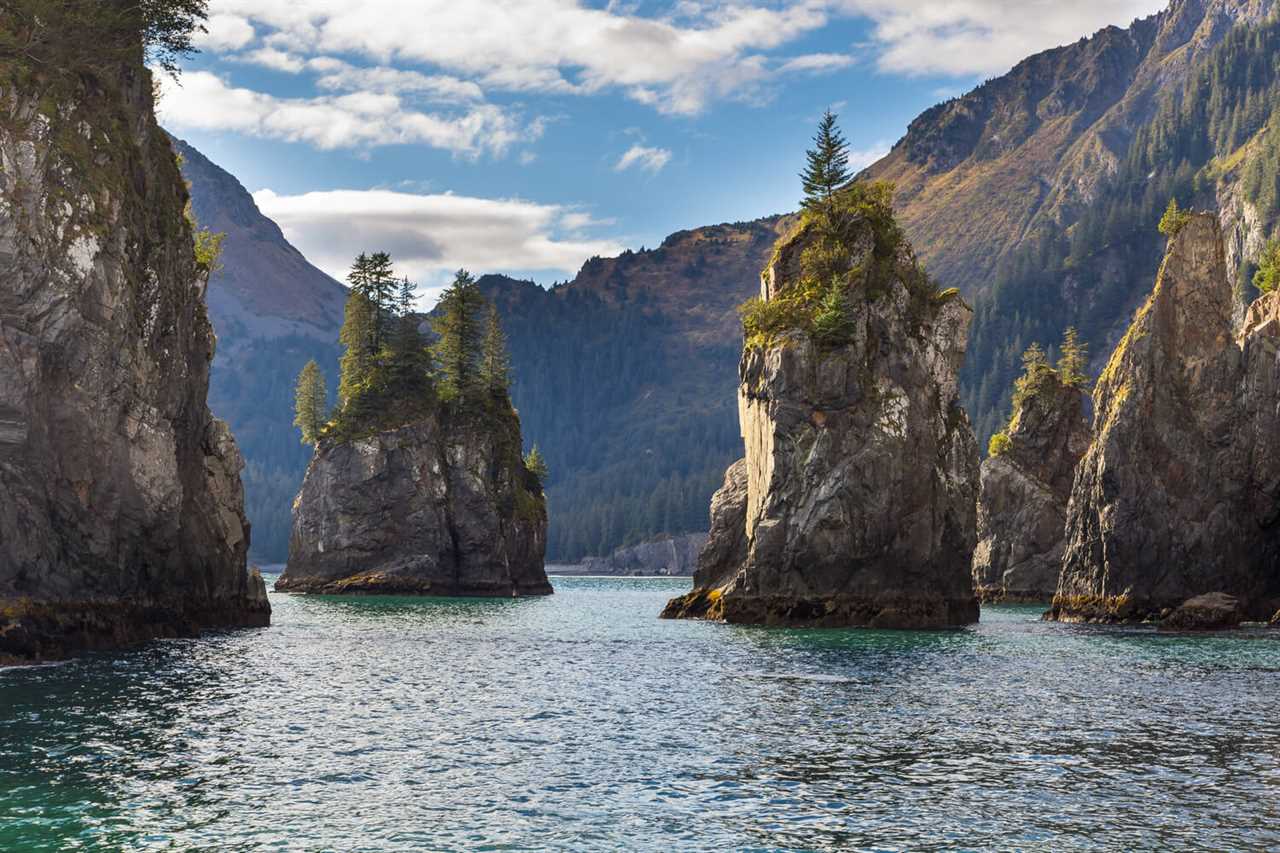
985, 37
359, 119
678, 62
225, 32
431, 235
277, 60
651, 160
339, 76
817, 63
859, 160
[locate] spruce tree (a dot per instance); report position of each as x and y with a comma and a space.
536, 465
383, 290
1074, 359
1267, 278
495, 362
358, 362
409, 361
459, 326
311, 402
828, 166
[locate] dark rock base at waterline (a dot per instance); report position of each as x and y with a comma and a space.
36, 632
840, 611
377, 583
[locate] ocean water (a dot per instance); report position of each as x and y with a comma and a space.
582, 722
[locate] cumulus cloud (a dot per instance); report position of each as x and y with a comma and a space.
651, 160
205, 101
983, 36
225, 32
431, 235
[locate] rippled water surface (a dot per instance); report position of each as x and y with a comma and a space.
582, 722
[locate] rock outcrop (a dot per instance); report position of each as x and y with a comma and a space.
665, 555
855, 503
1179, 492
1022, 501
442, 506
1214, 611
121, 506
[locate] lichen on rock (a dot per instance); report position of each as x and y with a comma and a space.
1179, 492
121, 506
854, 505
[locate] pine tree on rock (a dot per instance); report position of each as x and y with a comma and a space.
409, 359
311, 403
828, 166
459, 326
495, 362
1074, 359
358, 358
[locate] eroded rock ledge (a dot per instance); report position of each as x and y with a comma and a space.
854, 505
121, 506
443, 506
1178, 495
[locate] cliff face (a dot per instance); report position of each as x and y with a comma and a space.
665, 555
855, 503
443, 506
121, 508
1022, 502
1179, 492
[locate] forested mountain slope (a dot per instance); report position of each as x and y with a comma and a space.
626, 376
271, 311
1037, 193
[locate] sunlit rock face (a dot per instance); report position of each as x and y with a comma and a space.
1179, 493
121, 507
855, 502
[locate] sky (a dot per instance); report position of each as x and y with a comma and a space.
525, 136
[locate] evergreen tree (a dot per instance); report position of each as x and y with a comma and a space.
460, 344
537, 466
358, 362
495, 362
311, 402
408, 357
1267, 278
1174, 219
828, 166
383, 292
1074, 359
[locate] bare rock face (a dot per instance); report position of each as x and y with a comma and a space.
855, 503
443, 506
664, 555
1022, 502
121, 507
1179, 492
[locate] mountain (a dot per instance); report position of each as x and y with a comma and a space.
271, 311
1038, 192
625, 377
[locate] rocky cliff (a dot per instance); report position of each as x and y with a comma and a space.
855, 503
663, 555
1022, 501
441, 506
121, 507
1179, 492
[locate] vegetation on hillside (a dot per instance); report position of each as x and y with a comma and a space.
390, 374
1222, 123
1267, 278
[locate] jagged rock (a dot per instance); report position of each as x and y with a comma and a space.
667, 555
1179, 492
1022, 502
860, 472
442, 506
121, 506
1214, 611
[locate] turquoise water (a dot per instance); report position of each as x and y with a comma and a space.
581, 722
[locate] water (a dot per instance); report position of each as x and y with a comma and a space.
581, 722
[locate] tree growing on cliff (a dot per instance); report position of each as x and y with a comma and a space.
495, 362
537, 465
407, 354
827, 169
358, 357
311, 403
1073, 359
458, 325
1267, 278
1174, 219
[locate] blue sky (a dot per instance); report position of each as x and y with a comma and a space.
523, 137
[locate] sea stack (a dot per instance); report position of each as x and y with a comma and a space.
1026, 483
855, 503
1178, 495
121, 507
